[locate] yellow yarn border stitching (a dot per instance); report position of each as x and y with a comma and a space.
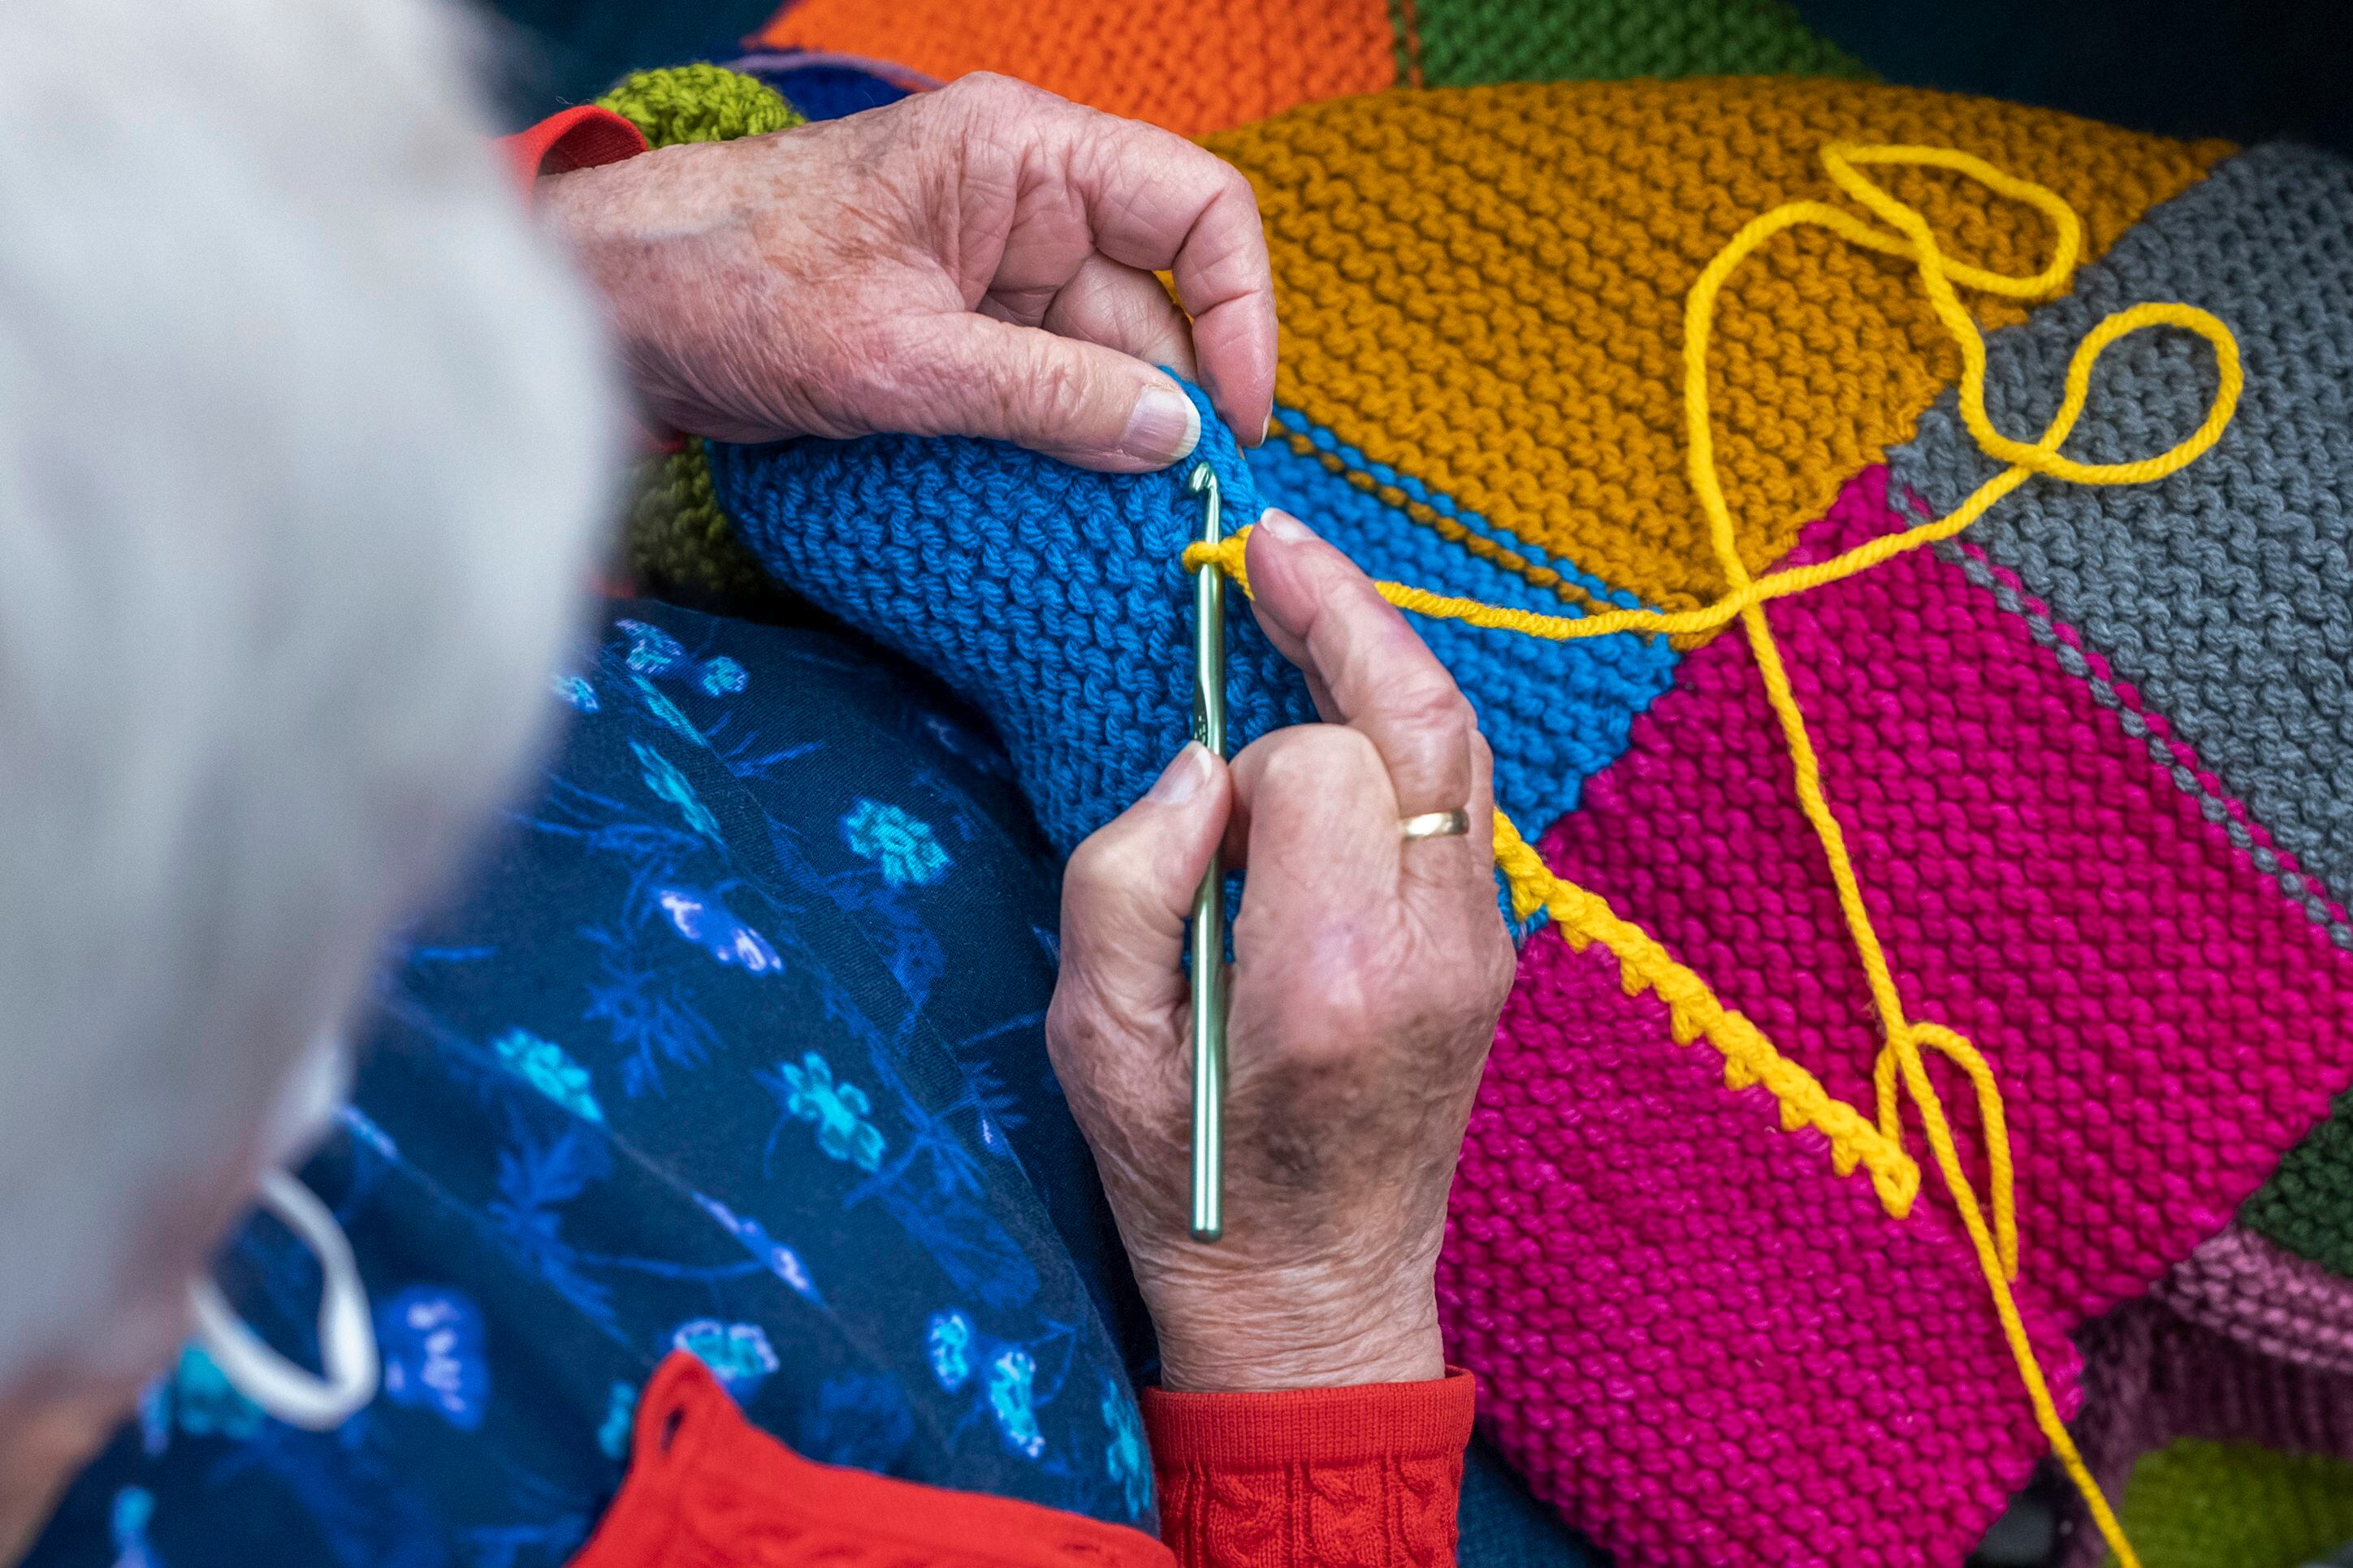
1694, 1010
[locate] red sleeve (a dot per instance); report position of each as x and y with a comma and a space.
582, 138
1320, 1475
708, 1489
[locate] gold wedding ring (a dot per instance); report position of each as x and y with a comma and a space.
1434, 824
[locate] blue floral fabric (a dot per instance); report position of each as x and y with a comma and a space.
736, 1048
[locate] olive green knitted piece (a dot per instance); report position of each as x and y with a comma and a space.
2307, 1205
678, 540
1465, 43
2232, 1505
678, 543
699, 103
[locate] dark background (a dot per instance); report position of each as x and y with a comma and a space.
2251, 70
554, 53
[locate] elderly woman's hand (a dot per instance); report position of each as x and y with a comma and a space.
973, 261
1368, 973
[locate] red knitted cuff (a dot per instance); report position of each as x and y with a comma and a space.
1370, 1474
1314, 1425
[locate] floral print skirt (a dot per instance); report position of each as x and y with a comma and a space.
735, 1045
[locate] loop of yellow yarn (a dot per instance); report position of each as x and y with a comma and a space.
1694, 1010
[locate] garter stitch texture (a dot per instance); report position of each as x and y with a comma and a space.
1953, 741
2224, 596
1972, 938
1048, 597
1556, 713
1052, 599
2307, 1205
1222, 63
1854, 1396
1468, 43
2265, 1298
1483, 288
2224, 609
1123, 57
1464, 276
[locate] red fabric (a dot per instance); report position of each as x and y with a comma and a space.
708, 1489
582, 138
1317, 1477
1338, 1476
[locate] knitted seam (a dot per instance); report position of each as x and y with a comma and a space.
1749, 1056
1408, 26
2228, 603
1991, 1227
2176, 759
1467, 275
1438, 514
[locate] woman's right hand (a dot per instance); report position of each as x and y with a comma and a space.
1368, 973
974, 261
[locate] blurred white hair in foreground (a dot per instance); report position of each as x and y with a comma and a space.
304, 440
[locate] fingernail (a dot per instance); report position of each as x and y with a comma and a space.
1182, 779
1163, 428
1281, 527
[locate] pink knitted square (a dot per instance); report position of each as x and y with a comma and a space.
1697, 1339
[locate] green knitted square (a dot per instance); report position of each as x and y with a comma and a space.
1465, 43
2233, 1505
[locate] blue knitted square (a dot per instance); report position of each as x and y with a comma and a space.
1054, 600
1556, 712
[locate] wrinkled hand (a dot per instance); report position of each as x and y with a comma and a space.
973, 261
1367, 977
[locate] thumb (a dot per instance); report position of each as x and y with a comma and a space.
1081, 402
1128, 891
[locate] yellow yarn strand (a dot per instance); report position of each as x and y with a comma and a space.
1694, 1010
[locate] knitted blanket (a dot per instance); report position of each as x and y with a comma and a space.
2088, 755
2201, 1504
2248, 1460
1234, 61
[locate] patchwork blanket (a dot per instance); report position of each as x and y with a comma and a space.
1836, 1103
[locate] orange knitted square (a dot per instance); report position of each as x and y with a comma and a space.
1221, 63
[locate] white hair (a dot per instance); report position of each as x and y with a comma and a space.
304, 438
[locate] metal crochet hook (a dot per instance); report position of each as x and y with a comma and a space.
1209, 898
